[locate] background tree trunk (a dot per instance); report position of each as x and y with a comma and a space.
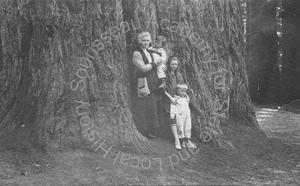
64, 72
291, 49
262, 65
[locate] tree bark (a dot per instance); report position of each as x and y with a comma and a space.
67, 68
77, 88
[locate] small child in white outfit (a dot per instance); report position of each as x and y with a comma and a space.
182, 113
160, 54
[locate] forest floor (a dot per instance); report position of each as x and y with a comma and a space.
257, 159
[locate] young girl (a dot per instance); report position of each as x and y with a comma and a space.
182, 113
173, 77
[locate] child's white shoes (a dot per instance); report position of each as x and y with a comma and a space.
177, 145
183, 144
190, 145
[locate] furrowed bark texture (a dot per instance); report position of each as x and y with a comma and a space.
66, 68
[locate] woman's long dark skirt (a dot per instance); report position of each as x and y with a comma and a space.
150, 113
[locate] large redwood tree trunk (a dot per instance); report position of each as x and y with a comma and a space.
66, 68
67, 77
211, 52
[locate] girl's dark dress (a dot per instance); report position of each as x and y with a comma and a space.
171, 83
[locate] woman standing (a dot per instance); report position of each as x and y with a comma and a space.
173, 77
150, 108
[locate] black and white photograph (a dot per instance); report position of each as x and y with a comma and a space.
149, 92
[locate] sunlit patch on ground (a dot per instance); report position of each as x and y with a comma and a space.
268, 109
280, 124
285, 126
260, 119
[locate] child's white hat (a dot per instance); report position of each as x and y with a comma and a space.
182, 87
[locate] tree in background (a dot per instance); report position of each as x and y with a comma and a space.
291, 49
262, 48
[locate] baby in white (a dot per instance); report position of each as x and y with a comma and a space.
181, 111
160, 54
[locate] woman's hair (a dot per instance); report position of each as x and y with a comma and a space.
177, 73
168, 64
142, 35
